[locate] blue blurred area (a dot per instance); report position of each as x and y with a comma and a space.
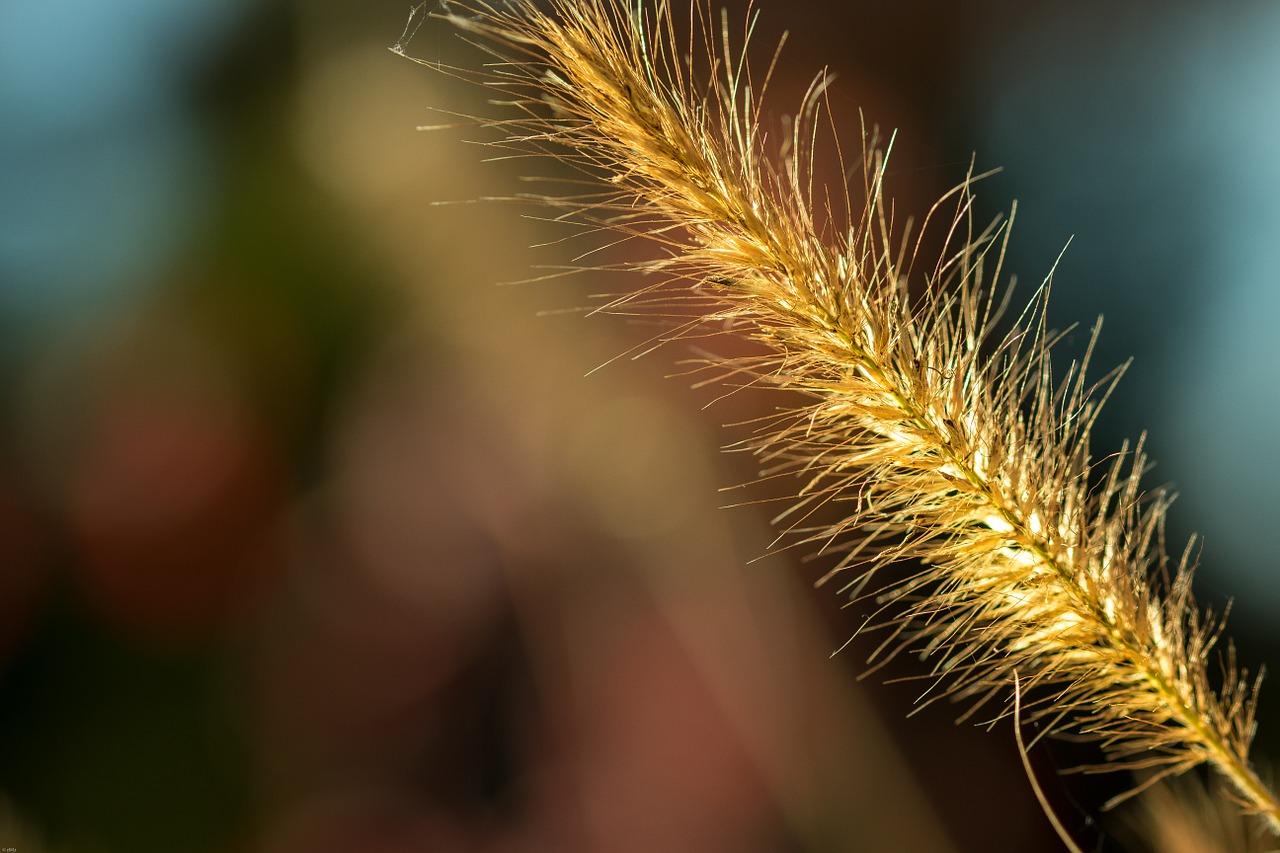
104, 164
1147, 136
1222, 396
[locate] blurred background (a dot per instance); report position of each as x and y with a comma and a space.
313, 537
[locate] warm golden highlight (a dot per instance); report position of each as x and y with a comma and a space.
948, 442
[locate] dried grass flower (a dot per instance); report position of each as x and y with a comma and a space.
938, 430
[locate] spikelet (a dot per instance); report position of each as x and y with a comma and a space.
945, 441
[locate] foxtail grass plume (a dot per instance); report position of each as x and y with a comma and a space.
947, 443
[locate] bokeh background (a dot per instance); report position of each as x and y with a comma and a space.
315, 538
